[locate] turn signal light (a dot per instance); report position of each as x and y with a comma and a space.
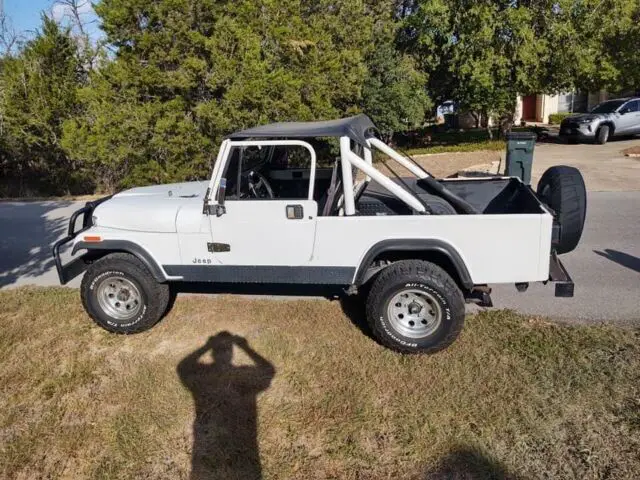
90, 238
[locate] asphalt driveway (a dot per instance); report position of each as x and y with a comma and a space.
604, 167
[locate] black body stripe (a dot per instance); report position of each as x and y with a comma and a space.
262, 274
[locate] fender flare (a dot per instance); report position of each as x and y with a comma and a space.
608, 123
417, 245
126, 246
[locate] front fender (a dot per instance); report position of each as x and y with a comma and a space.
109, 246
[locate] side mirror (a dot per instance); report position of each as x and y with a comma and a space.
221, 197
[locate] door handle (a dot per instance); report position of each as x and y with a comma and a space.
295, 212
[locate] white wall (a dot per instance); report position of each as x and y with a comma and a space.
549, 105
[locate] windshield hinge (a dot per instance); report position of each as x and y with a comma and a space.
205, 205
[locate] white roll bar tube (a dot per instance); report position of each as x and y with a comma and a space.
347, 176
368, 157
349, 158
406, 163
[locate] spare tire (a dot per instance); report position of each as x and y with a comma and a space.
562, 189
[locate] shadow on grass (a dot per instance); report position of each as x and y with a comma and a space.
225, 444
629, 261
468, 463
354, 308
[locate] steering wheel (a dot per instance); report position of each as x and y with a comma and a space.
259, 186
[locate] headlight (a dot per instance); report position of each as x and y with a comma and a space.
584, 120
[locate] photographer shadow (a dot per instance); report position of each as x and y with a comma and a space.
225, 431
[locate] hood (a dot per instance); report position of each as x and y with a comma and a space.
171, 190
149, 209
586, 117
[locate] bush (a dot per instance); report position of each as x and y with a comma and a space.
556, 118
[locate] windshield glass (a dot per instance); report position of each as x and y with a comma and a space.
608, 107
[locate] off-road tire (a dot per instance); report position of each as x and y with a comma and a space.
155, 297
602, 135
415, 275
562, 188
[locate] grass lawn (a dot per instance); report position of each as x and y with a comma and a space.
472, 146
430, 140
296, 390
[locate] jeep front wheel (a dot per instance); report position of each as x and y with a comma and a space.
121, 296
415, 306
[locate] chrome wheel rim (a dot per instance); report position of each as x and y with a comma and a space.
119, 298
414, 313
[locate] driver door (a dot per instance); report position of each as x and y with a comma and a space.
259, 228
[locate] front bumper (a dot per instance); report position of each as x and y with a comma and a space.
78, 265
578, 131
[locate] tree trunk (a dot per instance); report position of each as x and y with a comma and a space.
506, 124
488, 124
476, 117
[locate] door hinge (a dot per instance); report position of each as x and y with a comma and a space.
218, 247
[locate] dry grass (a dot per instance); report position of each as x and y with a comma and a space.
513, 397
632, 151
443, 164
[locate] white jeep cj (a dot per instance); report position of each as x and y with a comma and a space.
280, 214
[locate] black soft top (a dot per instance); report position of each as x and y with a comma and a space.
358, 128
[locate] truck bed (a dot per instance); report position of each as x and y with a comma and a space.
493, 195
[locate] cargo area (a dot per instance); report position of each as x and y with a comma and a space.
492, 195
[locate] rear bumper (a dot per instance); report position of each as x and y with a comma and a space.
78, 265
558, 274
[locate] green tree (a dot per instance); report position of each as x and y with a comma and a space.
394, 91
187, 73
37, 93
606, 34
484, 54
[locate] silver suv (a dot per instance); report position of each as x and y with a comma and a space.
617, 117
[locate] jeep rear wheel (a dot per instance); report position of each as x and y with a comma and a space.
415, 306
121, 295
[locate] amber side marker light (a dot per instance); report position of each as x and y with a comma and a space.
90, 238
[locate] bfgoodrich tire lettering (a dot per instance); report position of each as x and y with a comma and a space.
431, 288
124, 275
